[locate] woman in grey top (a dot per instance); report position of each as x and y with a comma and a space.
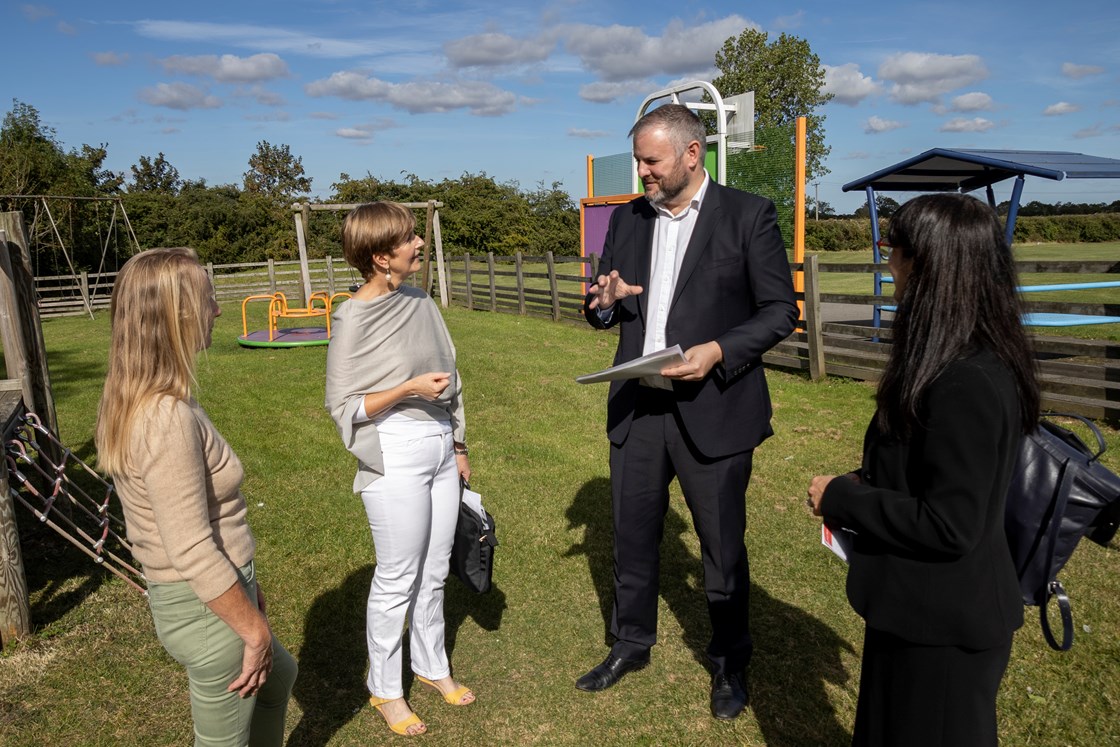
396, 398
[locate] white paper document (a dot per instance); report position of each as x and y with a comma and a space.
474, 502
647, 365
838, 540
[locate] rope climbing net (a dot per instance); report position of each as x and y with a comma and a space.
47, 479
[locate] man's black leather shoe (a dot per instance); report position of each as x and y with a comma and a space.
730, 695
609, 672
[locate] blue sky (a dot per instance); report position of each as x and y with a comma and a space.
524, 90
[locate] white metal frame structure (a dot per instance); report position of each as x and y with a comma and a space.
734, 118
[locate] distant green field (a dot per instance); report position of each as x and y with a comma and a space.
845, 282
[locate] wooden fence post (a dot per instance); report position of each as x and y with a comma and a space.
520, 284
15, 608
330, 275
552, 289
442, 269
271, 275
32, 361
427, 259
493, 288
813, 322
470, 290
83, 289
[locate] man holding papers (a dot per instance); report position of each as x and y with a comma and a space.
699, 265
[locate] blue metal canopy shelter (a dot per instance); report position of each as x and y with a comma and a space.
947, 170
952, 170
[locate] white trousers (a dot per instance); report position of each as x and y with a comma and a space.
412, 514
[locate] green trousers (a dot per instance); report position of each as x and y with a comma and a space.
212, 653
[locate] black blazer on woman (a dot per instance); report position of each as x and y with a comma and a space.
930, 562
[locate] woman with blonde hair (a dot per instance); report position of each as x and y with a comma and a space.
179, 485
396, 399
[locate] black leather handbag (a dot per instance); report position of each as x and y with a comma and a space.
472, 555
1059, 493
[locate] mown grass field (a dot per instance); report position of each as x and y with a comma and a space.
94, 674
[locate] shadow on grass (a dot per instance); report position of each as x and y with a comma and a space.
795, 654
331, 686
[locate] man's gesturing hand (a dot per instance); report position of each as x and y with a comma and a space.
610, 288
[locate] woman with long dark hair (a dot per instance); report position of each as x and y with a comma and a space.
930, 570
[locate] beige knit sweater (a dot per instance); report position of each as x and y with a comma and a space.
184, 512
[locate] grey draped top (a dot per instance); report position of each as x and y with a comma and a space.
377, 345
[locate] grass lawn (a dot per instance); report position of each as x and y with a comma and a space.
94, 674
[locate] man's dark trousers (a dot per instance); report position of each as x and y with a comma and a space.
655, 450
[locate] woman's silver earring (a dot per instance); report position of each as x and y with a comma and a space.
388, 276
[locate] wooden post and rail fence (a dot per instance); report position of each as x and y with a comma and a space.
835, 337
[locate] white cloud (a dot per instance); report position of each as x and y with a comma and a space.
1071, 70
229, 68
181, 96
495, 49
794, 21
109, 59
354, 133
66, 28
261, 95
972, 102
848, 85
856, 155
921, 77
269, 117
323, 115
580, 132
1091, 131
617, 53
961, 124
265, 38
479, 98
1060, 108
36, 12
878, 125
604, 93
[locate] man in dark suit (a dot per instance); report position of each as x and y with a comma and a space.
701, 265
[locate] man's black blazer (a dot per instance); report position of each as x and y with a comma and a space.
734, 287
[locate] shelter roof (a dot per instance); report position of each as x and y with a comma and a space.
943, 169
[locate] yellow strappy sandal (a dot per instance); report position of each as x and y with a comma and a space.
454, 697
402, 726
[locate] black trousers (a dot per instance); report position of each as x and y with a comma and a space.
927, 696
655, 451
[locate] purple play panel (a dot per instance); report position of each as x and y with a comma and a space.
595, 220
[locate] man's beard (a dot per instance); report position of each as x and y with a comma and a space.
669, 187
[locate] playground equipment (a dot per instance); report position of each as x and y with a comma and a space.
46, 239
947, 170
613, 180
319, 304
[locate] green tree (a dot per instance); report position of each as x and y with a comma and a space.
31, 159
275, 173
155, 175
884, 206
786, 78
